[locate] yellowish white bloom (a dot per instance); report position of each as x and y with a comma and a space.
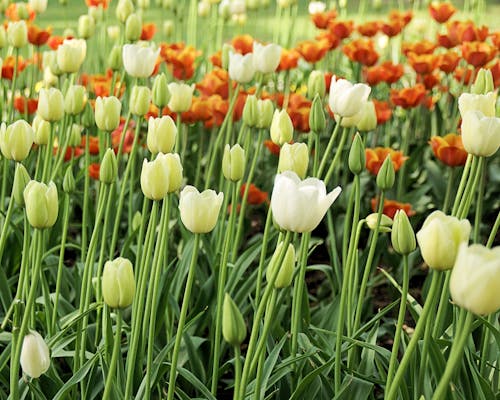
199, 211
266, 58
35, 356
139, 61
480, 134
345, 98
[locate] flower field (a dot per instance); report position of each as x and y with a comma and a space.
216, 199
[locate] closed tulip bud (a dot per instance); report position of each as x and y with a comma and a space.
123, 10
294, 157
241, 67
69, 184
133, 27
75, 135
357, 156
181, 97
386, 174
199, 211
227, 49
42, 130
345, 98
42, 204
49, 61
266, 58
162, 133
440, 237
136, 221
115, 58
281, 127
109, 167
484, 103
22, 11
17, 34
161, 93
161, 176
114, 33
71, 54
234, 329
233, 163
385, 222
317, 120
75, 100
39, 6
265, 110
475, 279
285, 274
168, 28
118, 284
299, 206
143, 4
402, 235
35, 356
203, 9
483, 83
224, 9
140, 98
480, 134
88, 119
107, 113
250, 116
367, 117
96, 13
50, 104
16, 140
21, 179
86, 26
316, 85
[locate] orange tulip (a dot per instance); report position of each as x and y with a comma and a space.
321, 20
448, 61
214, 82
362, 51
409, 97
218, 109
385, 72
12, 13
242, 44
341, 29
429, 80
97, 3
383, 111
148, 31
421, 47
180, 59
216, 59
391, 206
478, 54
369, 28
289, 59
375, 158
330, 38
94, 171
255, 195
404, 16
312, 50
37, 36
495, 71
8, 66
392, 28
495, 38
25, 105
423, 64
272, 147
93, 144
449, 149
441, 12
464, 75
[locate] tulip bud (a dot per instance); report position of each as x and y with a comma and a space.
107, 113
294, 157
161, 93
227, 49
483, 83
69, 184
88, 119
124, 9
133, 27
285, 274
265, 110
86, 26
115, 58
113, 33
42, 130
17, 34
16, 140
96, 13
281, 127
316, 85
21, 179
181, 97
49, 61
22, 11
402, 235
71, 54
136, 221
75, 100
155, 177
140, 98
199, 211
367, 119
357, 156
440, 237
143, 4
118, 284
317, 120
480, 134
203, 9
475, 279
50, 104
168, 28
42, 204
234, 329
35, 356
385, 222
161, 134
75, 135
233, 163
109, 167
386, 174
39, 6
249, 115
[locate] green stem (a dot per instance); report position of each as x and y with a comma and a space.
443, 306
116, 353
5, 170
449, 187
338, 154
465, 324
263, 253
481, 175
392, 391
461, 186
401, 319
14, 83
48, 153
494, 231
472, 184
237, 371
182, 317
329, 148
220, 289
258, 317
5, 226
86, 199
